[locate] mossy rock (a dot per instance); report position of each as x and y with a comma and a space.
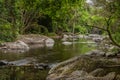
85, 63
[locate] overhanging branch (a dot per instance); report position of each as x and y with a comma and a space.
96, 27
109, 33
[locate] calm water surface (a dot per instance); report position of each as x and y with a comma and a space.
53, 55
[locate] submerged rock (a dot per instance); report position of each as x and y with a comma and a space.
67, 43
3, 62
22, 62
42, 66
27, 62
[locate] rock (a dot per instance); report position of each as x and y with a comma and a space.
78, 73
118, 55
42, 66
110, 76
96, 53
49, 42
72, 69
118, 77
97, 72
60, 70
12, 51
80, 36
22, 62
37, 40
70, 37
111, 55
18, 45
88, 42
52, 65
94, 35
3, 63
32, 39
25, 42
65, 37
98, 40
67, 43
22, 44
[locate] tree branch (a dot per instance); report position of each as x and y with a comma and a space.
96, 27
111, 38
108, 31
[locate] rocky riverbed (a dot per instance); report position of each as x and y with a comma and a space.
86, 67
25, 42
99, 64
27, 62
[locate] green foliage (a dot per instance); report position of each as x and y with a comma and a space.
6, 33
116, 35
80, 29
22, 16
51, 34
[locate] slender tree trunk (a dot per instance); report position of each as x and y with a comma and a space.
111, 38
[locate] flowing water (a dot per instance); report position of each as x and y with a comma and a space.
52, 56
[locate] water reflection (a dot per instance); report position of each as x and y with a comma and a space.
58, 53
22, 73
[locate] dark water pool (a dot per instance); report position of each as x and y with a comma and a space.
53, 55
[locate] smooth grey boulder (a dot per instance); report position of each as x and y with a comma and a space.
85, 67
35, 41
49, 42
18, 45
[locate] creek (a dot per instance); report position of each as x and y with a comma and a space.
51, 56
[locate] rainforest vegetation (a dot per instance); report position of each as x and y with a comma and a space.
23, 24
53, 17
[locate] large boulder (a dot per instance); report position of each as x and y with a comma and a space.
18, 45
37, 40
85, 68
32, 39
25, 42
